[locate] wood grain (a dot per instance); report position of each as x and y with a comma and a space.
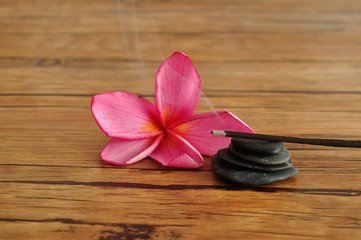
284, 67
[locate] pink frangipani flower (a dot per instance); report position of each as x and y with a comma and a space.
167, 132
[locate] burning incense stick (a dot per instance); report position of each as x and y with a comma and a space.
273, 138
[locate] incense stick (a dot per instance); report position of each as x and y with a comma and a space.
273, 138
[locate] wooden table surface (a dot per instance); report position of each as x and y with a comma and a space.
284, 67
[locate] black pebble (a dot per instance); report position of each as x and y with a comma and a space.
226, 155
281, 157
257, 146
249, 177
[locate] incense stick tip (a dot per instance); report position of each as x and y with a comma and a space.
219, 133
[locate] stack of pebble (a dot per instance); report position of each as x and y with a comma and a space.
253, 162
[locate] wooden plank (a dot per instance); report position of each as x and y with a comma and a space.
27, 49
68, 120
273, 76
90, 203
276, 19
284, 67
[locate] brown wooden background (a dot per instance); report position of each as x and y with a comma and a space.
284, 67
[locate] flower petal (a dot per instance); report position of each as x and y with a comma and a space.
125, 115
124, 152
177, 89
174, 151
197, 130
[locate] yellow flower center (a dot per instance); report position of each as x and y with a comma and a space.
158, 127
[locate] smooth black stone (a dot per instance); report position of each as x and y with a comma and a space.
248, 177
282, 157
257, 146
226, 155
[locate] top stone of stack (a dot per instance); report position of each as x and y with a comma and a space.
257, 146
